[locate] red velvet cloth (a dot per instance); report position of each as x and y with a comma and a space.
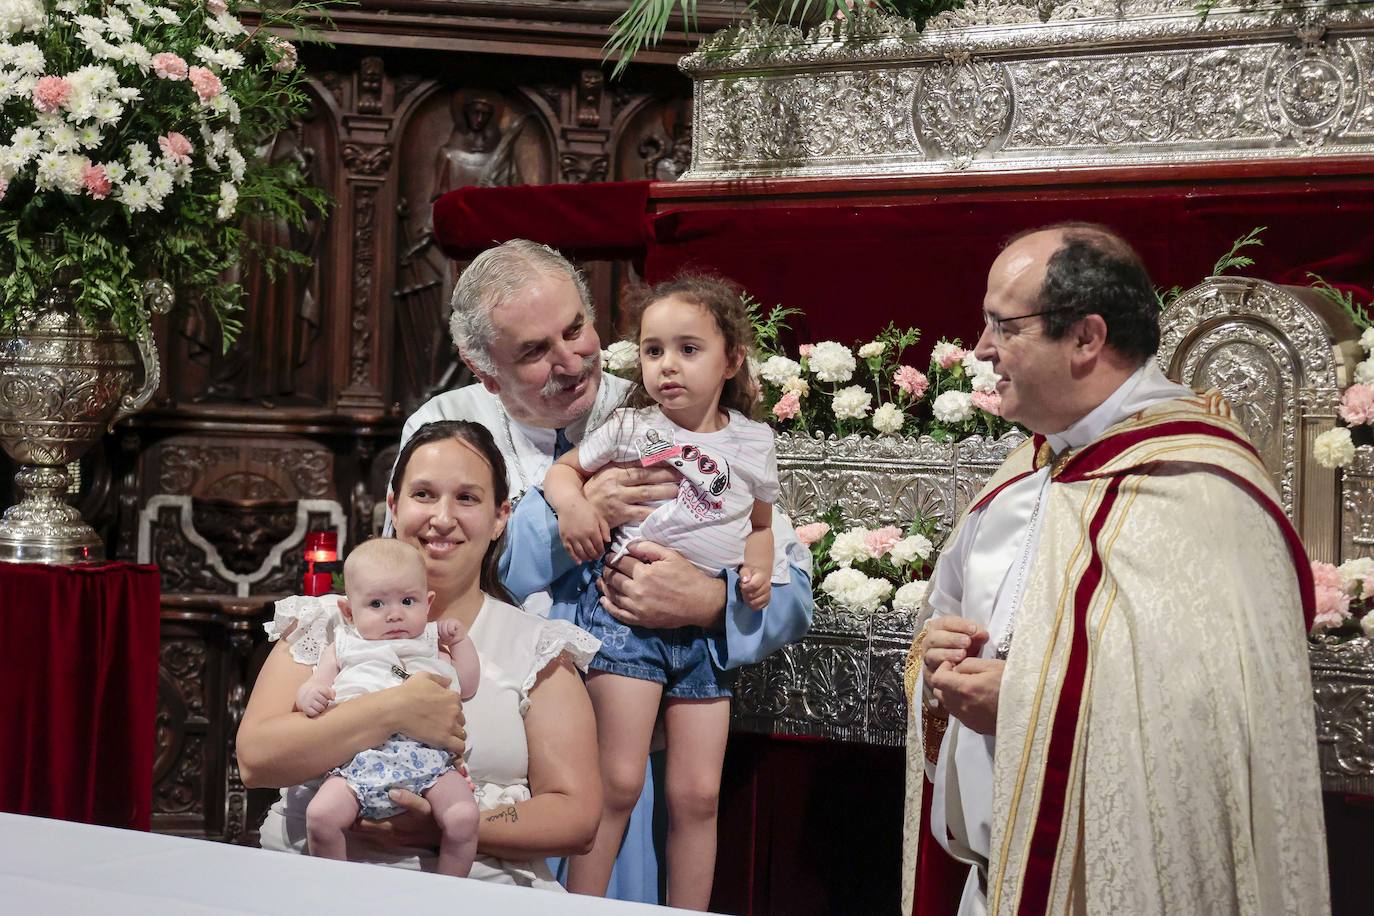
586, 222
853, 268
78, 674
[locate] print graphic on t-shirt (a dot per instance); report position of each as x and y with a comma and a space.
704, 478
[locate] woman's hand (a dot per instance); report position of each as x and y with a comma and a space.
414, 826
426, 710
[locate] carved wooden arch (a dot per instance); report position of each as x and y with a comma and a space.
1273, 352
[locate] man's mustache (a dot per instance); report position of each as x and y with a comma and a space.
557, 384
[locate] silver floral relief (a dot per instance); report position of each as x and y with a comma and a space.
1343, 687
1139, 100
1357, 505
1248, 365
997, 86
962, 108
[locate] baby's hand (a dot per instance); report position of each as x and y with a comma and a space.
313, 699
755, 586
583, 532
451, 632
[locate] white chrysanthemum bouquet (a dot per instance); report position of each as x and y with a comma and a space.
136, 134
1335, 448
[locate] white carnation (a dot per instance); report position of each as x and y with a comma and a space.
986, 381
21, 16
953, 407
228, 201
910, 596
796, 385
1334, 448
911, 548
851, 403
1367, 340
1359, 570
842, 585
1364, 372
889, 419
870, 594
778, 370
850, 547
870, 350
832, 362
621, 356
975, 366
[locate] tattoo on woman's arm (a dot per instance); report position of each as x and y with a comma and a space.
505, 814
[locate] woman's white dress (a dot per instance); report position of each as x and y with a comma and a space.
514, 648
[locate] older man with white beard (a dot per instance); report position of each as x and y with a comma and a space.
522, 321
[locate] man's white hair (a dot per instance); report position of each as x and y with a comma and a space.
495, 276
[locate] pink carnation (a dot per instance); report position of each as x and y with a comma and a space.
96, 181
1357, 405
206, 84
788, 406
50, 93
1333, 607
176, 147
1327, 576
216, 7
911, 380
989, 401
810, 534
881, 540
804, 350
169, 67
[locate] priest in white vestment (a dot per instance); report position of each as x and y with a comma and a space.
1110, 699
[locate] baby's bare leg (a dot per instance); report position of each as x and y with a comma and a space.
455, 811
332, 811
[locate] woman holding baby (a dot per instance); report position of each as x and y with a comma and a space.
533, 758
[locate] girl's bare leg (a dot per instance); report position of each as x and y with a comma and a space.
696, 732
626, 709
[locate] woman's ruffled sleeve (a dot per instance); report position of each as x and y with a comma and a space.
557, 638
306, 623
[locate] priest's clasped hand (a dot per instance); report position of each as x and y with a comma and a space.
964, 684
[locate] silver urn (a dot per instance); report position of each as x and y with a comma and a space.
64, 381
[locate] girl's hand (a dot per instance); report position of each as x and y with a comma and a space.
426, 710
583, 531
313, 698
755, 586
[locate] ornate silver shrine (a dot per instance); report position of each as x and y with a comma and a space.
1280, 355
1018, 84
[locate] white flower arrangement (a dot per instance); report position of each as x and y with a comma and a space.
851, 403
832, 362
860, 569
127, 136
621, 356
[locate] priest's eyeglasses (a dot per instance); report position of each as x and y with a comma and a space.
999, 325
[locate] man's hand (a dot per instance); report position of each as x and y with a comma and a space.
623, 493
583, 531
313, 698
414, 826
969, 690
653, 586
951, 639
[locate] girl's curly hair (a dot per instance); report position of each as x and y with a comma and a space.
723, 300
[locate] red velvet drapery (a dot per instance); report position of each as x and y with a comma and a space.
78, 673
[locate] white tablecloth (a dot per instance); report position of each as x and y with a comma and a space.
56, 867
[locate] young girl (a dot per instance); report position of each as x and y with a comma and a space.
689, 412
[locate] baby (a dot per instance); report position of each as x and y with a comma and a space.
390, 639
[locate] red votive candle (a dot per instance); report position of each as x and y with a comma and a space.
321, 555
